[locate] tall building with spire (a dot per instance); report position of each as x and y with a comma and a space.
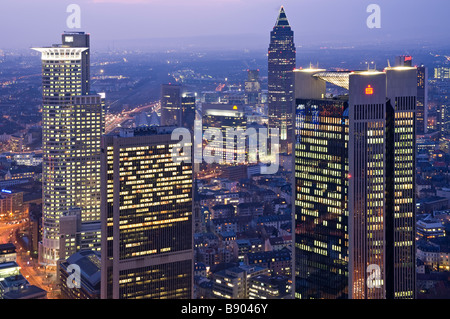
281, 59
72, 125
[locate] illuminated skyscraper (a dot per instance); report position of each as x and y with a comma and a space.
400, 183
321, 190
422, 92
355, 203
72, 124
281, 58
422, 100
147, 247
226, 118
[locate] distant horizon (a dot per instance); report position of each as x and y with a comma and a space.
233, 24
242, 42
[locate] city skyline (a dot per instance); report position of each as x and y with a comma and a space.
206, 24
99, 202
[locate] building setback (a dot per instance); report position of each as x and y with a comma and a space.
72, 124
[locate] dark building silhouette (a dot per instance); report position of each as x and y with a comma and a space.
188, 111
171, 105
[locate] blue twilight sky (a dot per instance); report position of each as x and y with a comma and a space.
224, 23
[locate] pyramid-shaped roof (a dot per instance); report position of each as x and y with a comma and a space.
282, 18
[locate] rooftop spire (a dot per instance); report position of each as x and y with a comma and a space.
282, 19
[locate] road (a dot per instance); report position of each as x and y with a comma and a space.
7, 232
35, 274
115, 120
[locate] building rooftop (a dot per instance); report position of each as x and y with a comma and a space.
143, 131
28, 292
7, 248
89, 263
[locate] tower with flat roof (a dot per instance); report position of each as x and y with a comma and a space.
147, 247
355, 184
72, 124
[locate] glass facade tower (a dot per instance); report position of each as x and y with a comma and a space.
355, 185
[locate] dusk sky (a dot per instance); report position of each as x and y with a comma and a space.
26, 23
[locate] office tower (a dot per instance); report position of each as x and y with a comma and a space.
281, 63
188, 111
226, 117
422, 92
361, 236
72, 124
147, 246
400, 182
442, 119
422, 100
321, 168
171, 105
253, 87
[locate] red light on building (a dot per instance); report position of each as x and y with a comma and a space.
369, 90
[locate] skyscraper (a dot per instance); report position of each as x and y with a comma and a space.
422, 92
147, 247
355, 204
224, 118
188, 111
171, 112
422, 99
321, 190
253, 88
281, 63
400, 183
72, 124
